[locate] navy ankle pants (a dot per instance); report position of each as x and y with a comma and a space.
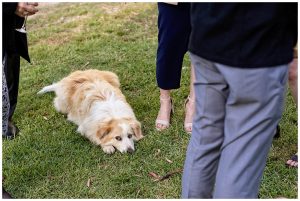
173, 37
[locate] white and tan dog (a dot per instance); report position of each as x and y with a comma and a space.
92, 99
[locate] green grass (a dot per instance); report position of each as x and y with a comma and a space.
50, 160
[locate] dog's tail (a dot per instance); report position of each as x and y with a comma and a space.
49, 88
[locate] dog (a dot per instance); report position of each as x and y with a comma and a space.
92, 99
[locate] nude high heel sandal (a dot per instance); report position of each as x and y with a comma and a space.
165, 123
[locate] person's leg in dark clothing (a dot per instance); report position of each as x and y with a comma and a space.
12, 73
174, 29
173, 36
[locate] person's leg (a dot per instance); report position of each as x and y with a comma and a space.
293, 84
253, 110
203, 151
173, 34
5, 115
5, 101
293, 79
12, 72
190, 105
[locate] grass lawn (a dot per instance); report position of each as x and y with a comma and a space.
50, 160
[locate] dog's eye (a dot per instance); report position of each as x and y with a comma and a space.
118, 138
129, 135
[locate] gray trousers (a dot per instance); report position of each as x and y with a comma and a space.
237, 111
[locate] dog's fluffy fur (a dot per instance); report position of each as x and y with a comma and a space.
92, 99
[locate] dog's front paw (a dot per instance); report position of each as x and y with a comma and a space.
108, 149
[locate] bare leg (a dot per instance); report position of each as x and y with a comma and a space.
190, 104
293, 84
293, 79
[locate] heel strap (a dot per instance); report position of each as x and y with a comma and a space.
165, 99
162, 122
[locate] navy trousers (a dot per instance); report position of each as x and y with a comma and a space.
173, 37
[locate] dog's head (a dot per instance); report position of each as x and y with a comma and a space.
120, 133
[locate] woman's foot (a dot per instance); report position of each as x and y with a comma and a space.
293, 162
163, 118
189, 107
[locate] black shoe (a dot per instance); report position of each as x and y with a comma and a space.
12, 131
277, 132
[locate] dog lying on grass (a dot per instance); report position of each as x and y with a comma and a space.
92, 99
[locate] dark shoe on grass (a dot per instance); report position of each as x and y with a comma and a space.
12, 132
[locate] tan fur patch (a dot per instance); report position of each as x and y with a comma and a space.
109, 131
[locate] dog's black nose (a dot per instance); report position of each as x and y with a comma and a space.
130, 150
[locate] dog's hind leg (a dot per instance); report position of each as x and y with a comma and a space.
60, 105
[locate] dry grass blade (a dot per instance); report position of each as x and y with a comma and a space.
89, 182
154, 175
168, 160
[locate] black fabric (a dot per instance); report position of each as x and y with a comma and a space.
13, 42
21, 45
14, 45
9, 8
12, 74
173, 37
244, 34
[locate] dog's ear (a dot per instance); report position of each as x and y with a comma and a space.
104, 130
111, 78
137, 130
